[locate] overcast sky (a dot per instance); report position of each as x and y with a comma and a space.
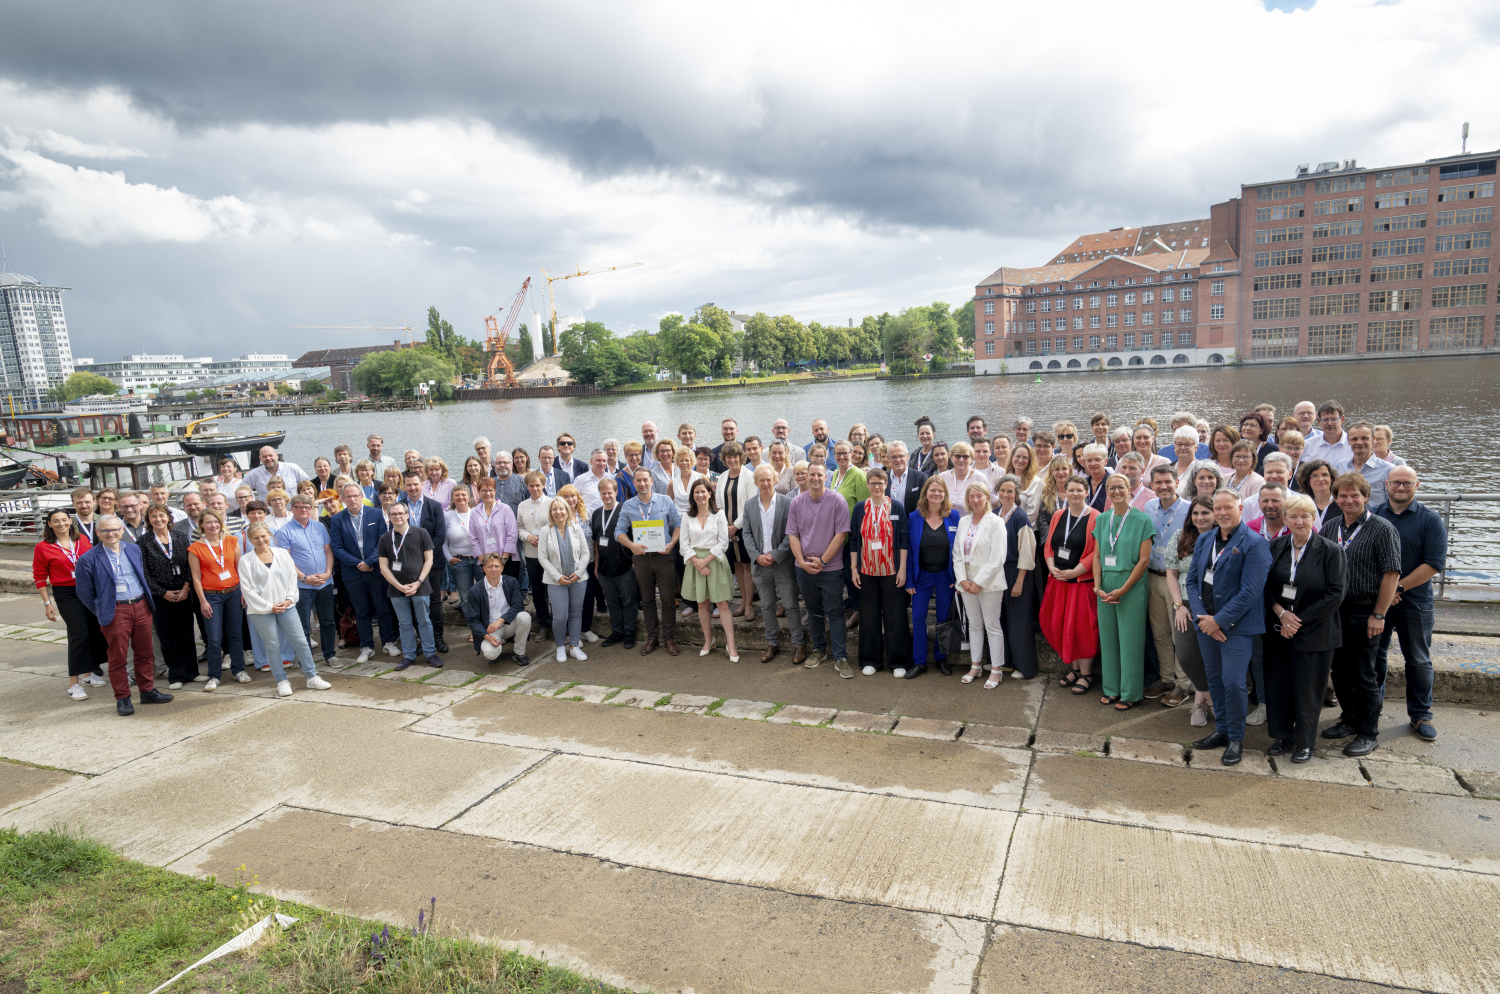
205, 174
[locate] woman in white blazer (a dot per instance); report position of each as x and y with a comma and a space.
735, 491
563, 552
268, 582
979, 547
531, 522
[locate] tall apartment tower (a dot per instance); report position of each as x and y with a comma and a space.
34, 352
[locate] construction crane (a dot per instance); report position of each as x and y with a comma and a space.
365, 326
496, 337
552, 306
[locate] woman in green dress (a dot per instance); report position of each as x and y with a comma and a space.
1123, 539
706, 580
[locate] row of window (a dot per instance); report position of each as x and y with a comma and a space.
1276, 308
1168, 295
1466, 332
1168, 316
1148, 340
1095, 285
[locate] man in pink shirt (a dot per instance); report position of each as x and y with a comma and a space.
1133, 466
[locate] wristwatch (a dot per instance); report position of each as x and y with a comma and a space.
1179, 604
1400, 589
1377, 615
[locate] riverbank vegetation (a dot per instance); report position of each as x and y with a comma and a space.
75, 917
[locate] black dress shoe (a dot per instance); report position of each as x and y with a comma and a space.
613, 639
155, 697
914, 672
1302, 755
123, 706
1362, 745
442, 646
1279, 747
944, 668
1217, 740
630, 642
1339, 731
1232, 753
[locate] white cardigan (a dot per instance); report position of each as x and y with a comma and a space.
265, 586
531, 519
550, 555
747, 492
987, 567
713, 536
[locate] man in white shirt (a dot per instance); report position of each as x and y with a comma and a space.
158, 494
494, 613
376, 445
588, 483
271, 465
1364, 461
648, 444
1331, 443
1306, 413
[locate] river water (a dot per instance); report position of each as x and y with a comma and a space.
1444, 413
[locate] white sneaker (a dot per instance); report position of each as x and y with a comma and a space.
201, 678
242, 677
562, 654
577, 653
1256, 717
283, 688
318, 683
175, 685
1016, 675
92, 680
364, 655
868, 671
716, 612
689, 611
590, 637
898, 672
77, 692
314, 643
392, 649
211, 686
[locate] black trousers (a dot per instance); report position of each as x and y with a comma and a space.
87, 650
1358, 671
541, 607
1295, 681
621, 597
1018, 617
174, 626
884, 638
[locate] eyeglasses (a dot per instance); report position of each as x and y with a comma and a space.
1400, 483
110, 531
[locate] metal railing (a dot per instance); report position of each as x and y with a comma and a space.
1473, 538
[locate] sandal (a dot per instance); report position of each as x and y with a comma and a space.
993, 681
1083, 684
1106, 699
1125, 705
969, 676
1069, 678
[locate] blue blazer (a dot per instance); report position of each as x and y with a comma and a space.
433, 523
345, 547
915, 524
95, 577
1239, 580
477, 608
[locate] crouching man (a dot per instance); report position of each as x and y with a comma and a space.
494, 613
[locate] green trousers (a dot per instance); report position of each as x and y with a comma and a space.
1122, 640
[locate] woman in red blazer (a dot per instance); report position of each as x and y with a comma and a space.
1069, 618
52, 566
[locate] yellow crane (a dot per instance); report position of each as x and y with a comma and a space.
551, 304
365, 325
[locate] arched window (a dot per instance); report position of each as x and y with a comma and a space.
1074, 364
1136, 360
1216, 359
1035, 365
1158, 360
1114, 360
1094, 364
1054, 364
1179, 357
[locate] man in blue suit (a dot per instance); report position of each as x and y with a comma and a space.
1226, 593
355, 534
112, 584
427, 514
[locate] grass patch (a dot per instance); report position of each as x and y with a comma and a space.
75, 917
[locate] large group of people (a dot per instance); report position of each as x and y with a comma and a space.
1257, 569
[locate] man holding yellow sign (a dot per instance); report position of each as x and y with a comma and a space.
649, 527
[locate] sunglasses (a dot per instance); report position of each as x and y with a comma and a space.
1061, 437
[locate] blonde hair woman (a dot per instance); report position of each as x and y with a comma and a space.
932, 525
563, 552
436, 483
979, 547
268, 582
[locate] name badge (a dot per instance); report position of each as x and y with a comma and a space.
1111, 560
72, 575
225, 574
1208, 576
968, 558
1289, 591
603, 542
876, 546
121, 590
1064, 554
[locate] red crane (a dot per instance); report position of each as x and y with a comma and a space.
496, 337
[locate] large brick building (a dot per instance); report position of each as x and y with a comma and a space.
1338, 262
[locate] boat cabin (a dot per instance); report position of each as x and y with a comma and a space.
32, 430
140, 472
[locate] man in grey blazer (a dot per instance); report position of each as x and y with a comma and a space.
763, 525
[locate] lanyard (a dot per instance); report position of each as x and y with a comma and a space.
969, 538
1068, 525
1216, 556
166, 550
1344, 542
218, 556
608, 520
1323, 514
115, 559
1114, 533
1297, 555
72, 555
396, 546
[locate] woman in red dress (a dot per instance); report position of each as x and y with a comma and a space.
1069, 615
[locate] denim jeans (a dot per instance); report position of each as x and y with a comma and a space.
259, 649
823, 593
366, 593
928, 586
464, 574
320, 599
421, 607
280, 632
1412, 624
225, 630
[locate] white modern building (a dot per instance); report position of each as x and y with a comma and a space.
34, 352
250, 363
142, 373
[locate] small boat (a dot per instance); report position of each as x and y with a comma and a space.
11, 473
214, 443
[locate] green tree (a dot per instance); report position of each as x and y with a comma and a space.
313, 388
963, 317
396, 373
905, 338
642, 347
835, 344
797, 343
81, 384
688, 348
592, 354
944, 338
440, 335
866, 337
763, 343
528, 354
549, 340
731, 344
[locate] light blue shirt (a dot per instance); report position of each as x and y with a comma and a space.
1167, 522
1374, 471
305, 543
659, 508
124, 574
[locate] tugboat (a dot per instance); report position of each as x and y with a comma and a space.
214, 443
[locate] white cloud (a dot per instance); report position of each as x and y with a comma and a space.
67, 145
